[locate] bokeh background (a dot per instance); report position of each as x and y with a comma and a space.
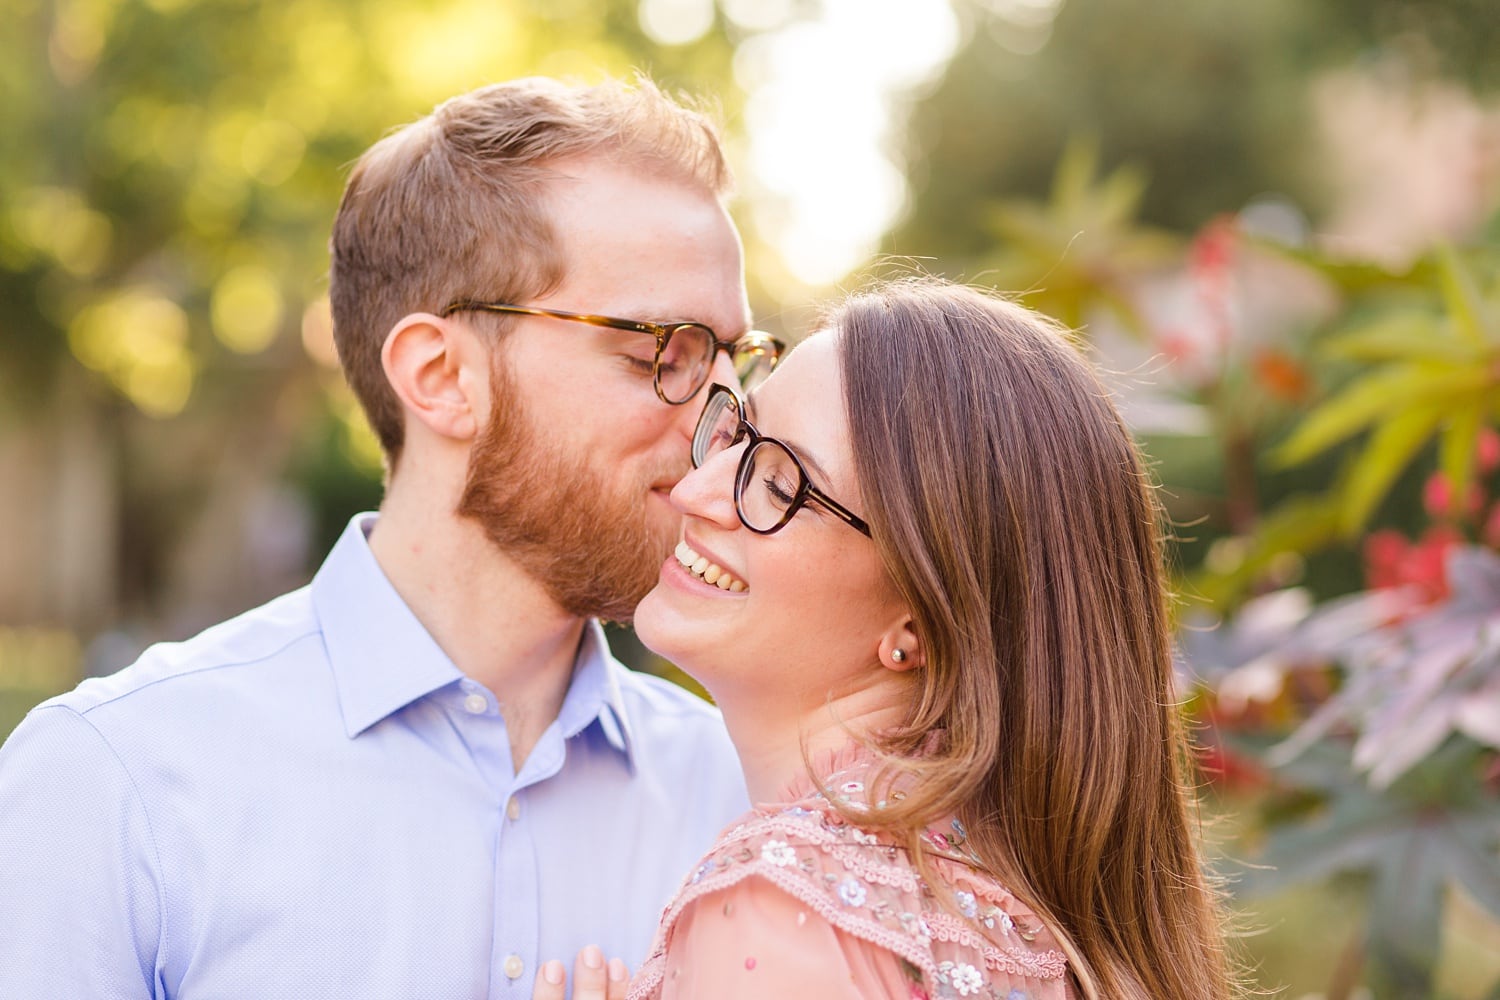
1274, 224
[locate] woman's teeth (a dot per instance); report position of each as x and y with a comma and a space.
706, 571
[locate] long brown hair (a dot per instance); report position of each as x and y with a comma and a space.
1013, 512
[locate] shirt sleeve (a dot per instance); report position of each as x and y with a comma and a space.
752, 940
79, 891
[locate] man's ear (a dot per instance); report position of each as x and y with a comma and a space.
900, 648
440, 372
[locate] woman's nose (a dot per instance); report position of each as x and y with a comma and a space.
708, 491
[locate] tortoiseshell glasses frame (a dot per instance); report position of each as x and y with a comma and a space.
684, 351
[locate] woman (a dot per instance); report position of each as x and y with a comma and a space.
921, 576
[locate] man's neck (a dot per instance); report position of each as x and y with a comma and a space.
497, 625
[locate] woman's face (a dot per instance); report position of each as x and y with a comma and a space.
804, 610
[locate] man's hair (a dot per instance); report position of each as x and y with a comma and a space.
451, 207
1015, 517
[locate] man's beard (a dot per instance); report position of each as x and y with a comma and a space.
596, 553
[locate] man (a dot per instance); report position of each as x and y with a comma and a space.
424, 774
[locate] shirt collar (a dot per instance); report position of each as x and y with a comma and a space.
383, 658
596, 693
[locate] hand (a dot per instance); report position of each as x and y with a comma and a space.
592, 978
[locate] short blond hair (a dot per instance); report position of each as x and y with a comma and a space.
450, 207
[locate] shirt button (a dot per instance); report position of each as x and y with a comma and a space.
475, 704
513, 808
513, 966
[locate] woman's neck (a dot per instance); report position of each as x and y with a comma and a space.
774, 744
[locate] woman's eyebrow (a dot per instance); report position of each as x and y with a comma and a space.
806, 456
808, 459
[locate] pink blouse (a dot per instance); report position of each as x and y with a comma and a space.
793, 901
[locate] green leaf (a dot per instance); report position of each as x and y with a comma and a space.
1473, 864
1408, 336
1353, 277
1392, 447
1456, 450
1120, 195
1460, 296
1301, 523
1025, 224
1358, 830
1075, 173
1406, 916
1360, 404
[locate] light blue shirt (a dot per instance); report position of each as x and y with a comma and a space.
311, 801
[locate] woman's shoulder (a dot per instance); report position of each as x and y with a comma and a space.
954, 930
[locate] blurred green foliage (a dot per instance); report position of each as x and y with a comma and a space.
171, 175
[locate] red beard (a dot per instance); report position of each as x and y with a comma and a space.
596, 553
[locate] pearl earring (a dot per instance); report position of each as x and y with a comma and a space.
898, 654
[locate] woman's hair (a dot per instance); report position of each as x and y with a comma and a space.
1012, 511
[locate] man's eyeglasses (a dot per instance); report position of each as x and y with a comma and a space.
771, 484
684, 351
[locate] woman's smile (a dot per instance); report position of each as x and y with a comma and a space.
705, 569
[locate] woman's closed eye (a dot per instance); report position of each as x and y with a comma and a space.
782, 492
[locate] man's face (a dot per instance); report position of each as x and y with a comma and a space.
572, 476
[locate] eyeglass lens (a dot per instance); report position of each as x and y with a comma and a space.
769, 479
755, 355
689, 354
685, 360
718, 428
770, 482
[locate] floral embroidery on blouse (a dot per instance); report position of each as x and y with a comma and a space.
852, 892
962, 936
965, 979
777, 852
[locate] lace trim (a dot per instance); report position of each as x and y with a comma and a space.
736, 859
853, 856
1038, 965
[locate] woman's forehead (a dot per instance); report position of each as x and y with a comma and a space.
803, 404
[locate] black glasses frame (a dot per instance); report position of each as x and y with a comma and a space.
755, 342
806, 491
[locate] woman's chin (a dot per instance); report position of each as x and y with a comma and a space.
649, 622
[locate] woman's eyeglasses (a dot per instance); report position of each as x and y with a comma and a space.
771, 484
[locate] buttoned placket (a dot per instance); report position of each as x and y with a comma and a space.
517, 903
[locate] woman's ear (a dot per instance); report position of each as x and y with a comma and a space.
900, 649
432, 365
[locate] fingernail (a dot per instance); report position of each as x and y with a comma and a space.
617, 971
553, 972
593, 957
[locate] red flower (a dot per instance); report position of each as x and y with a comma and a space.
1390, 561
1213, 248
1487, 449
1232, 771
1437, 498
